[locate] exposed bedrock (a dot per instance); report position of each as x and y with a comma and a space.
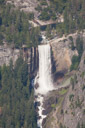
29, 54
61, 57
66, 106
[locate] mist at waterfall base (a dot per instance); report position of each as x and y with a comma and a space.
43, 79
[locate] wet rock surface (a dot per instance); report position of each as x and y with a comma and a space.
48, 104
36, 85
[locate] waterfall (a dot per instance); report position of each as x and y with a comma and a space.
43, 78
44, 74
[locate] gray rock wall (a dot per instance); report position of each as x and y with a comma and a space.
29, 54
6, 54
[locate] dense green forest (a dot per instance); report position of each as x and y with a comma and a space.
50, 11
74, 16
72, 10
16, 98
15, 28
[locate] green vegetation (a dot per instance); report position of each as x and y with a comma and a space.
83, 74
15, 28
62, 112
76, 59
61, 126
71, 38
84, 111
73, 16
63, 91
50, 11
60, 100
78, 125
84, 60
43, 2
16, 97
44, 15
71, 105
83, 125
50, 118
72, 43
75, 62
73, 113
48, 32
73, 12
53, 105
78, 103
58, 104
83, 87
71, 97
72, 83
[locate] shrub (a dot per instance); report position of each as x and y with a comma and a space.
71, 38
75, 63
76, 59
71, 97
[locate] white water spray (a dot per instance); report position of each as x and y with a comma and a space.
43, 78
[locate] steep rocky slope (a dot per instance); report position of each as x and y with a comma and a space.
74, 102
8, 53
67, 105
62, 53
25, 5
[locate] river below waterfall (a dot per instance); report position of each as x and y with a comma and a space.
43, 79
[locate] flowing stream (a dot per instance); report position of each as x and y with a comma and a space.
43, 79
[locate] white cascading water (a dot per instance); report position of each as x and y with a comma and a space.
43, 78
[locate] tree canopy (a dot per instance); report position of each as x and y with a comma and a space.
15, 27
16, 100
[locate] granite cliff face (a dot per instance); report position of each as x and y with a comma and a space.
67, 105
62, 56
74, 102
25, 5
29, 54
6, 54
62, 53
